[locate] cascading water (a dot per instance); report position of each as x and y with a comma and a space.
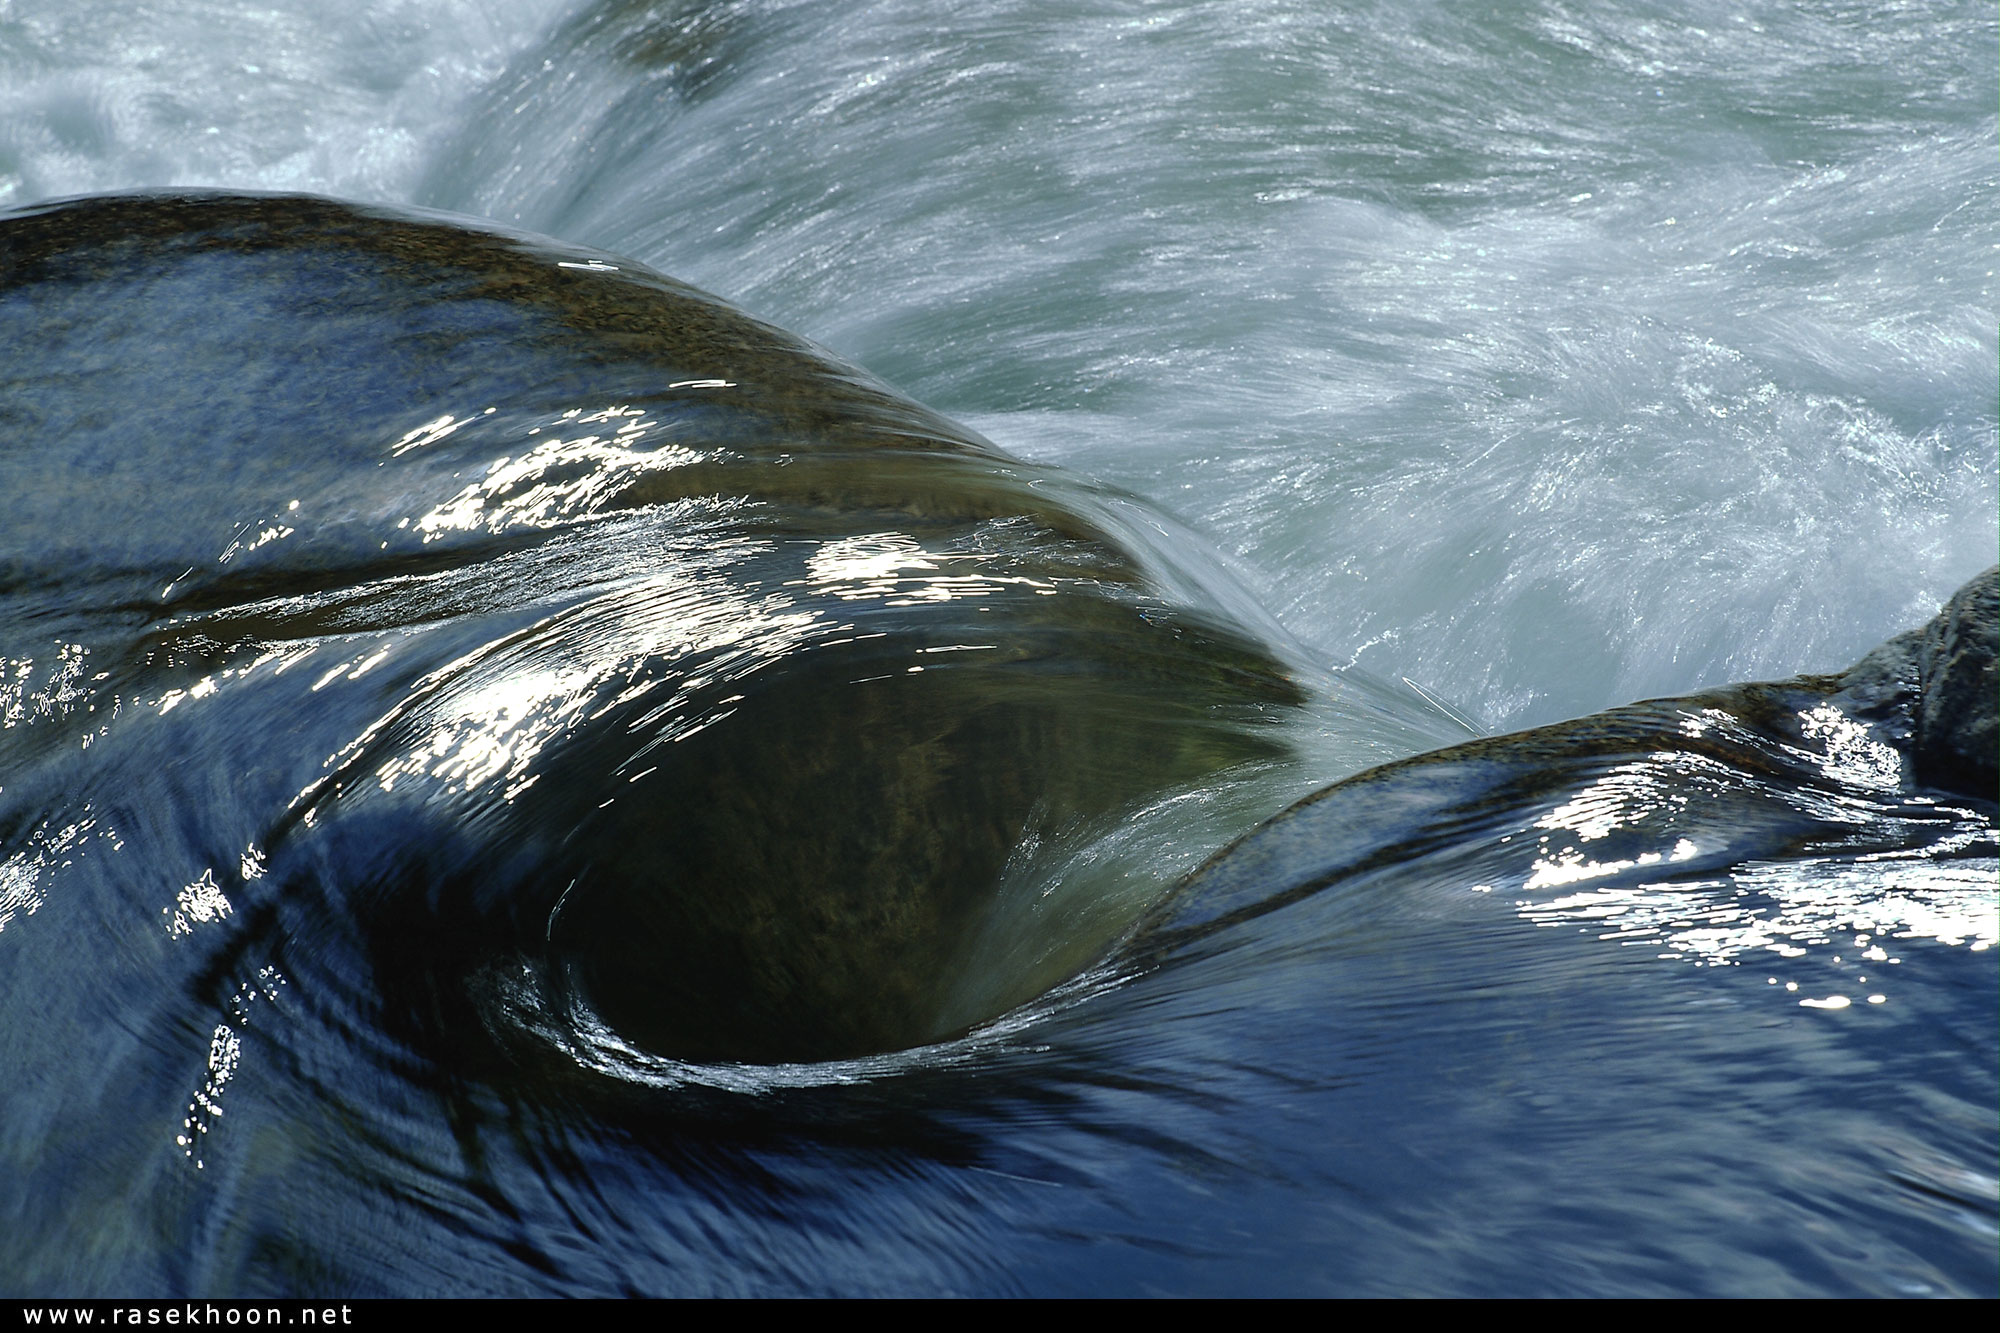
1532, 359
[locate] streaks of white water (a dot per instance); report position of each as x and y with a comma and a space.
1563, 355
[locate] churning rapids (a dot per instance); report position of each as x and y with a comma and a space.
518, 777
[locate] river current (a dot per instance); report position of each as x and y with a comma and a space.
1503, 363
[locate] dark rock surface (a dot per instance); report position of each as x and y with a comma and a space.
511, 769
1956, 733
684, 662
1845, 764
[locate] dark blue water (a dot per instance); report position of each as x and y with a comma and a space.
1549, 358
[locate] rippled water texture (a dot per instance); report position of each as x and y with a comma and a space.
1506, 363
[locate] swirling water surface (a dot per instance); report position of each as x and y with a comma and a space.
1547, 356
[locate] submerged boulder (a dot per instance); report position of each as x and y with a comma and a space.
495, 745
1892, 755
495, 617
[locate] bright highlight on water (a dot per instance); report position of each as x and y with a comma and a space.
1335, 382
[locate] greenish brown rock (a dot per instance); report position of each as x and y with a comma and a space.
1875, 759
506, 608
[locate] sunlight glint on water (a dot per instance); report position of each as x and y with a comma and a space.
1548, 355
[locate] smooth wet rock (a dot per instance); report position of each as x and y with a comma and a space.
552, 647
1847, 764
397, 797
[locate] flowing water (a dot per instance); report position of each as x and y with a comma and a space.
1511, 362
